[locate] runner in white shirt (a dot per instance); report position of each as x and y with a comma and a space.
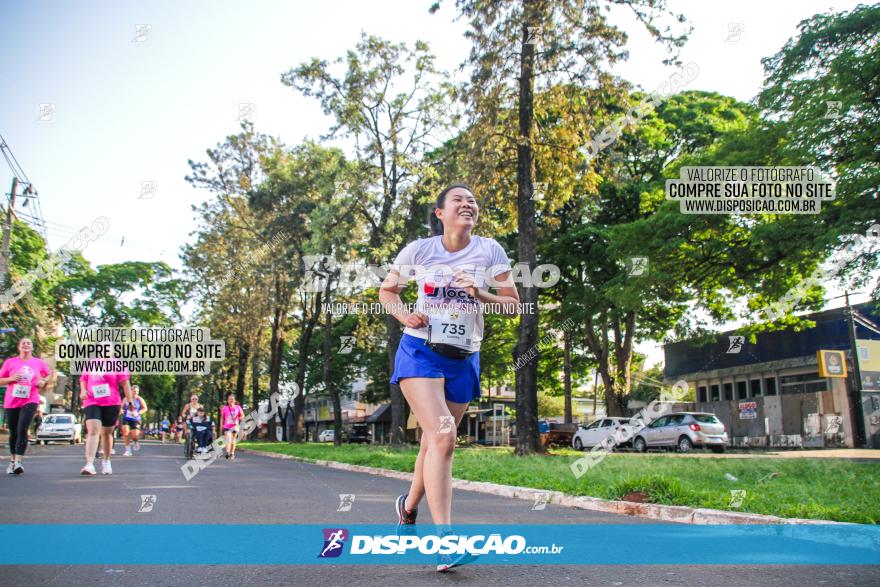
437, 363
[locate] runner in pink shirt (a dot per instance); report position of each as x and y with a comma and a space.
101, 402
231, 416
23, 376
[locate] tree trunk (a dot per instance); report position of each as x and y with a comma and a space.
276, 345
328, 380
398, 402
566, 374
527, 439
309, 321
244, 352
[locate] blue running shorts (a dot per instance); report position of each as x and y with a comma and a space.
414, 358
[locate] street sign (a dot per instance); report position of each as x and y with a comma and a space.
748, 410
831, 364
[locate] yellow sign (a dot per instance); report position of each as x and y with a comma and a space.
869, 364
831, 363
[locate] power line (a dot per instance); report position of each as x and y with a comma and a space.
30, 193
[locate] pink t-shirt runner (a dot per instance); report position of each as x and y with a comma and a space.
102, 389
231, 416
19, 394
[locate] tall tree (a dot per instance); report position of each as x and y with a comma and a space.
517, 43
823, 88
393, 103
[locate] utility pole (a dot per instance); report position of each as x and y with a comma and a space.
7, 231
856, 391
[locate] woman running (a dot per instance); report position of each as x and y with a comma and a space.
24, 376
178, 430
132, 416
101, 402
164, 427
231, 415
437, 363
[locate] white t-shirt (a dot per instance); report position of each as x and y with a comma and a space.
432, 266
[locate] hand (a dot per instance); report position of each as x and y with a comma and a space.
416, 320
464, 280
22, 378
83, 395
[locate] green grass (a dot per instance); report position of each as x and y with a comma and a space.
823, 489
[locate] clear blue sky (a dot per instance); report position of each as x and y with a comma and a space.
128, 112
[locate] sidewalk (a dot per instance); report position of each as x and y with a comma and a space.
823, 453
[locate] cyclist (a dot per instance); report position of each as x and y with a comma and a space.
437, 363
24, 375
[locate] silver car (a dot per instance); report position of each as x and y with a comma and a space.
684, 431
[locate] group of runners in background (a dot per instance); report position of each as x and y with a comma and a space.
108, 400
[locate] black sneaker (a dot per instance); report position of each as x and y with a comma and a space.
404, 517
445, 562
18, 470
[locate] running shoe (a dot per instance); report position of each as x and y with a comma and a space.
405, 517
112, 451
106, 469
445, 562
127, 452
11, 468
18, 470
137, 446
89, 469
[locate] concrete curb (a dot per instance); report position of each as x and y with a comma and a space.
665, 513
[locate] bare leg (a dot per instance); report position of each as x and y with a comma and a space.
230, 443
426, 399
107, 437
417, 487
93, 437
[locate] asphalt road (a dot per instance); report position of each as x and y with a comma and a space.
259, 490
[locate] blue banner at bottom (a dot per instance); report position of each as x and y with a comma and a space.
584, 544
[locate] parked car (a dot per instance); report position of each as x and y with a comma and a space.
328, 435
359, 433
684, 431
59, 427
556, 433
589, 436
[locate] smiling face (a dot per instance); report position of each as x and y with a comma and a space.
230, 399
194, 400
25, 345
459, 212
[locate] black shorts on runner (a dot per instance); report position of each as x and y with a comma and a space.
106, 414
132, 424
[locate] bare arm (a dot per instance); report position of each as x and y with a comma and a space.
126, 387
507, 296
389, 296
